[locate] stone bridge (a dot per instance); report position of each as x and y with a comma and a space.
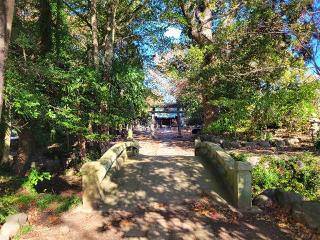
173, 174
164, 192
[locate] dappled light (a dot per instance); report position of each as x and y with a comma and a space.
166, 193
159, 119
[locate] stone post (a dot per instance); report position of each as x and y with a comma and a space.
242, 184
197, 146
130, 132
92, 175
179, 122
153, 119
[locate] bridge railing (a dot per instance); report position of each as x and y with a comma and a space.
235, 174
96, 175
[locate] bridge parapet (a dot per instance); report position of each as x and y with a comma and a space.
96, 175
235, 174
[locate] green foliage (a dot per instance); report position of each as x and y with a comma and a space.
7, 207
300, 174
127, 92
286, 105
11, 204
25, 229
64, 203
241, 157
252, 73
264, 179
92, 155
193, 107
52, 85
34, 178
68, 203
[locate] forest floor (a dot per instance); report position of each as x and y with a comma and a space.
164, 193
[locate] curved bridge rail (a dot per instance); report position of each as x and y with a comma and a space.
236, 175
96, 176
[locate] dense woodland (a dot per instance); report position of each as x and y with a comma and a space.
73, 74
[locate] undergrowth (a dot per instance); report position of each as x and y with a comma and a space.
11, 204
300, 174
28, 198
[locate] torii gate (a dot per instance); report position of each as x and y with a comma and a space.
168, 109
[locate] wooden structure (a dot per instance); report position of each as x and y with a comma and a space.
169, 115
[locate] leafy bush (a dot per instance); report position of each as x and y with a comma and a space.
6, 207
34, 178
286, 105
300, 174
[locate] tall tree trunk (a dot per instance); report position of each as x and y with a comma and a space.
24, 150
5, 136
45, 25
95, 42
82, 147
7, 146
3, 130
6, 17
109, 41
210, 112
58, 29
108, 56
199, 21
199, 18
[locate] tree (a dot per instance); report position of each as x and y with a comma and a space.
239, 50
6, 17
56, 89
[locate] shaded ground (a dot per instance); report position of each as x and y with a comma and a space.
164, 193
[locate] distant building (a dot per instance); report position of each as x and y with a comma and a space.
167, 115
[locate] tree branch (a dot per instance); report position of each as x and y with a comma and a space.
83, 18
127, 21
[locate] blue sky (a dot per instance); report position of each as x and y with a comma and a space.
173, 32
157, 38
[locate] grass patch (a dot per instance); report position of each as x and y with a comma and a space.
24, 230
11, 204
68, 203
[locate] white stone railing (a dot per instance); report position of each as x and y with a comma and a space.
236, 175
96, 175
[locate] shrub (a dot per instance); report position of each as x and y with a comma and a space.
300, 174
34, 178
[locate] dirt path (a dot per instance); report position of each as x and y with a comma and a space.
164, 193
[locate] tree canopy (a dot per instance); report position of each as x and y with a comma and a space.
79, 70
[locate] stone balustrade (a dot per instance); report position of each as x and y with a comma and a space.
235, 174
96, 175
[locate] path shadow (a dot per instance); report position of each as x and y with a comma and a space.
164, 179
154, 193
171, 196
